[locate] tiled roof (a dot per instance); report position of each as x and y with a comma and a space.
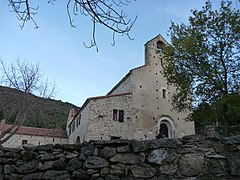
109, 95
24, 130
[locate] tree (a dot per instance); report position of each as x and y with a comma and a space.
210, 114
102, 12
203, 59
27, 78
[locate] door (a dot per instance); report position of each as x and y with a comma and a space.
163, 132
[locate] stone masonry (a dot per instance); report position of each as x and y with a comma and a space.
191, 157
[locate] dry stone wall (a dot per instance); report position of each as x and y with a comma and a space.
191, 157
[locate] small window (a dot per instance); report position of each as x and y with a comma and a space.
118, 115
164, 92
121, 116
78, 140
24, 142
115, 111
78, 120
69, 130
73, 126
160, 46
115, 137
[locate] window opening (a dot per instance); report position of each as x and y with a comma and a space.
115, 137
73, 126
70, 129
161, 60
164, 91
163, 133
78, 140
118, 115
121, 116
79, 119
160, 46
24, 142
115, 111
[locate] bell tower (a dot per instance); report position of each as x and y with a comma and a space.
154, 48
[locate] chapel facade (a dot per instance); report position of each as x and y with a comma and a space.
138, 107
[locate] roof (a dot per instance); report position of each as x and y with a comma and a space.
120, 82
158, 36
33, 131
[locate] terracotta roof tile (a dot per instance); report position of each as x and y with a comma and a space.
24, 130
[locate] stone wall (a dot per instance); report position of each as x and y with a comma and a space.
97, 119
190, 158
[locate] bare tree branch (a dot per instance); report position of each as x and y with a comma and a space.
21, 115
28, 78
107, 13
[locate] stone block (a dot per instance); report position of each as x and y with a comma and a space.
94, 162
125, 158
191, 164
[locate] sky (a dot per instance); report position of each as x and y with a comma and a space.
80, 72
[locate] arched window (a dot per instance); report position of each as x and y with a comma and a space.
78, 140
165, 128
160, 46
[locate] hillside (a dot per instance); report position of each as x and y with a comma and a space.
44, 113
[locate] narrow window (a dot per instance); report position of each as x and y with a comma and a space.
164, 93
78, 140
24, 142
121, 116
115, 111
70, 129
159, 46
79, 121
73, 126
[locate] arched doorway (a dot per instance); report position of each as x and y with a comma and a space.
163, 131
78, 140
165, 128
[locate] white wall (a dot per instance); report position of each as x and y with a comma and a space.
16, 140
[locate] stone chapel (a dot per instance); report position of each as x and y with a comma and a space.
137, 107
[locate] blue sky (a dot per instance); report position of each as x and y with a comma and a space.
80, 72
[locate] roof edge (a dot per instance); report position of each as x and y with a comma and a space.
94, 98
